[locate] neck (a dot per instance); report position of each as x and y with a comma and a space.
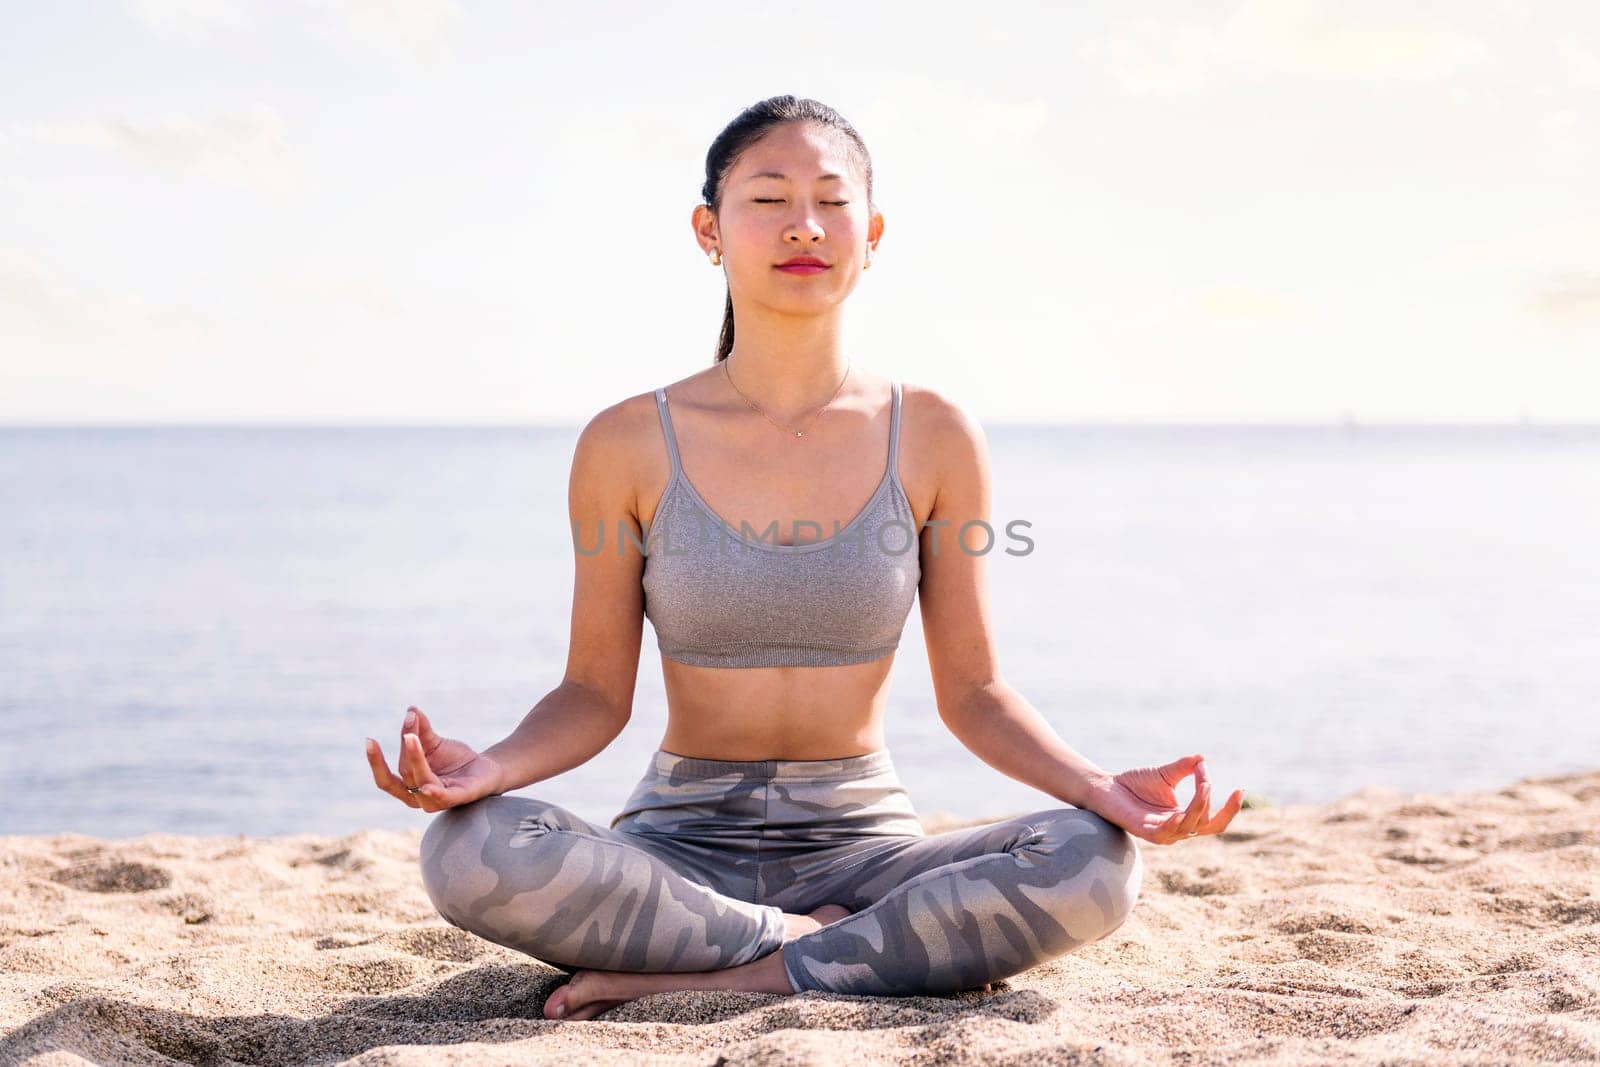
789, 366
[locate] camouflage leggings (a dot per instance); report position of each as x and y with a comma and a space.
698, 869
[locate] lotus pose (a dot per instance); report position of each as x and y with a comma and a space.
770, 844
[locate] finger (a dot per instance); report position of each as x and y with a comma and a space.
1187, 819
407, 726
427, 783
1225, 814
423, 728
428, 801
381, 774
423, 775
1199, 810
414, 769
1166, 831
396, 786
384, 777
1179, 769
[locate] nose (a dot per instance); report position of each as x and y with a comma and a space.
807, 229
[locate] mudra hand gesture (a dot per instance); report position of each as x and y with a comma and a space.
435, 772
1143, 802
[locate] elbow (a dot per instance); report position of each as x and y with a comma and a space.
615, 706
959, 717
967, 702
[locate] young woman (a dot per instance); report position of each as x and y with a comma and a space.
770, 845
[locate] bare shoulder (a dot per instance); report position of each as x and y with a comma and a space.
941, 431
943, 453
620, 449
621, 422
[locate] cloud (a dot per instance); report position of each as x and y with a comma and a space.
1571, 244
1238, 316
1309, 37
1582, 64
1563, 131
1568, 308
400, 29
189, 18
406, 30
249, 150
1230, 305
344, 293
1153, 57
72, 329
914, 119
1301, 38
929, 104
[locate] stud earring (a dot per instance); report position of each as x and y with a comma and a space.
716, 257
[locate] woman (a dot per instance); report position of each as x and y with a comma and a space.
771, 846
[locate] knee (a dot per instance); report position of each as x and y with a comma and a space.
1098, 859
455, 870
471, 854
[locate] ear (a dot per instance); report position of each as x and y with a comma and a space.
704, 223
875, 231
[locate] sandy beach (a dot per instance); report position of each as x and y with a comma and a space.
1383, 927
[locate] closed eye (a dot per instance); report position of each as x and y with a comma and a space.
760, 200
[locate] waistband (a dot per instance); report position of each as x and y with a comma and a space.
671, 765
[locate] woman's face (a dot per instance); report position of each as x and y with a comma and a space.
797, 191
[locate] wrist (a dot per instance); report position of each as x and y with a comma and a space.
1096, 784
501, 774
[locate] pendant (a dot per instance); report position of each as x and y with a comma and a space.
797, 433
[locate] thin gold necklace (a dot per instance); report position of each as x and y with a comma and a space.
786, 429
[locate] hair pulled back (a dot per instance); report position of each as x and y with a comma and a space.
752, 124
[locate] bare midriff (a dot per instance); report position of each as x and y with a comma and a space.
775, 713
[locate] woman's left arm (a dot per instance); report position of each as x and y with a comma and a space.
985, 713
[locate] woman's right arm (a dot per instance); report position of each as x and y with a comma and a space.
584, 713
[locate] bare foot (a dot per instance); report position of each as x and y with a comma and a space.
590, 993
587, 994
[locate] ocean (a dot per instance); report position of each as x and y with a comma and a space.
199, 625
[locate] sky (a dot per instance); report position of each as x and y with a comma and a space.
430, 211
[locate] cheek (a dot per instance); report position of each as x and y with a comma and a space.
750, 229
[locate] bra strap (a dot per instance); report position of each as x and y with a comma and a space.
894, 425
666, 430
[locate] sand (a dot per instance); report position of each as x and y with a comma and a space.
1384, 927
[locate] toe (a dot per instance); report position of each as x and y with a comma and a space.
591, 1009
583, 996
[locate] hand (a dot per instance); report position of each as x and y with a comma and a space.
1143, 802
447, 773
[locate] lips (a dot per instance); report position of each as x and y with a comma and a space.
803, 261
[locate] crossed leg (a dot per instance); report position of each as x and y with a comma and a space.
640, 915
960, 909
533, 876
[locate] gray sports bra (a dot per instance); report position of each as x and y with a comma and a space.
720, 597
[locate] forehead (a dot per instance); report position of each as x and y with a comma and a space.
798, 151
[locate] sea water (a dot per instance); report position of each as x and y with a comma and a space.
198, 626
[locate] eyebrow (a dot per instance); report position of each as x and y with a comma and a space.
784, 177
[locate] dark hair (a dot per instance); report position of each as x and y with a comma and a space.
752, 124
